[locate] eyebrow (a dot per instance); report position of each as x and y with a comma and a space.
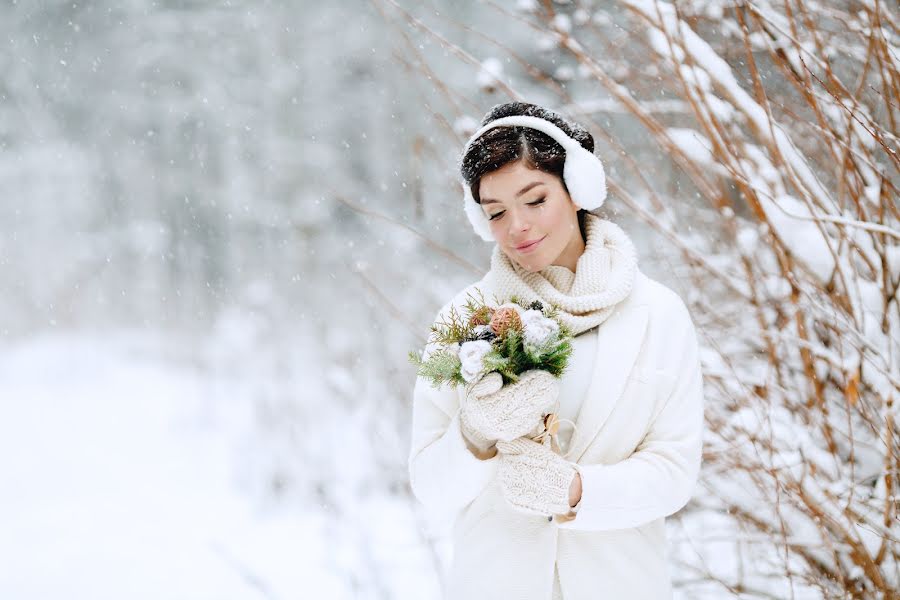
519, 193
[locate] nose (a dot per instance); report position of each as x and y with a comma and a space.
518, 222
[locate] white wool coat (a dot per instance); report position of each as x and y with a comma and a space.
637, 447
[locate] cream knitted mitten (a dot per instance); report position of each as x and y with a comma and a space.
494, 412
533, 478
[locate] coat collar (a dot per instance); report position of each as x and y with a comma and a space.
619, 341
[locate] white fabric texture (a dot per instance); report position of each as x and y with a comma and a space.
480, 223
573, 384
494, 412
557, 590
534, 478
637, 446
603, 277
572, 391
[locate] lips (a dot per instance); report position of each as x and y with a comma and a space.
529, 245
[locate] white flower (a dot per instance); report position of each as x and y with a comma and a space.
538, 328
452, 348
471, 357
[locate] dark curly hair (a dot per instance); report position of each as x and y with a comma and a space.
503, 145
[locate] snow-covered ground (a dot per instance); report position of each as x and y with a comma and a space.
117, 480
131, 468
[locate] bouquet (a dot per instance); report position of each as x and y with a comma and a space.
510, 338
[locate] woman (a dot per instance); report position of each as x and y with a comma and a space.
531, 523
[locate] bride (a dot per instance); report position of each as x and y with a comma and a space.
530, 523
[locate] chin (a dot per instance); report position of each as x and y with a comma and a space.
532, 264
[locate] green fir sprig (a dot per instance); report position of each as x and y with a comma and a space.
441, 367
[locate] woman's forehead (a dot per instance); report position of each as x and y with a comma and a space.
512, 181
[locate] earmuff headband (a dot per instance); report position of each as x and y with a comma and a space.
583, 172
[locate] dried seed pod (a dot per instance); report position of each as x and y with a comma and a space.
482, 316
505, 319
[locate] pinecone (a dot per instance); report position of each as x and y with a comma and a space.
505, 319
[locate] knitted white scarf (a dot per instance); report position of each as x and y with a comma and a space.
603, 277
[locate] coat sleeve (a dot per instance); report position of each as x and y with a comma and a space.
658, 479
445, 474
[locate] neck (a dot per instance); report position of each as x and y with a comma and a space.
568, 258
585, 299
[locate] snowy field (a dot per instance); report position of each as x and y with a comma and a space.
120, 463
118, 481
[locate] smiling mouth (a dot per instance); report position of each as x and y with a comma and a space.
530, 246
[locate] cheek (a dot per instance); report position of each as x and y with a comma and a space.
553, 218
498, 230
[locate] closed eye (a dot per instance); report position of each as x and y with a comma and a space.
497, 215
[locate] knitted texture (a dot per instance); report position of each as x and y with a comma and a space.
483, 387
533, 478
494, 412
603, 277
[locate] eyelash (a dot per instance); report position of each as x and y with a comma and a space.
537, 202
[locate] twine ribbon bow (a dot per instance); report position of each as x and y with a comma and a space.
550, 435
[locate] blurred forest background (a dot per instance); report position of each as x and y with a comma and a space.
224, 224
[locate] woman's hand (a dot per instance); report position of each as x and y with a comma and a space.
494, 412
575, 490
535, 479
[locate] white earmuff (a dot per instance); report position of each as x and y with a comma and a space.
583, 172
480, 223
